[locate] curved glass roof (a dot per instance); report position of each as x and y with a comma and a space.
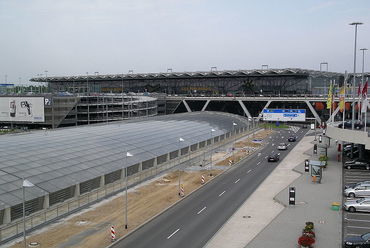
60, 158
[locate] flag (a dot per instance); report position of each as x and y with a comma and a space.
329, 102
359, 90
365, 102
27, 183
364, 90
342, 95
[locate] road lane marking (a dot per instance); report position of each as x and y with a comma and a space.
173, 233
237, 181
259, 154
266, 157
223, 192
201, 210
357, 220
258, 162
273, 144
249, 171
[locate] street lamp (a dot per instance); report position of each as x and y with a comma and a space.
25, 184
354, 73
212, 141
127, 155
362, 82
233, 146
180, 140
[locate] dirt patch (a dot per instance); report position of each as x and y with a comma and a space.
92, 228
245, 148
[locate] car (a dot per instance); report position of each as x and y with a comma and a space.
353, 185
273, 157
347, 148
282, 146
357, 164
355, 154
348, 124
292, 139
357, 241
360, 205
358, 191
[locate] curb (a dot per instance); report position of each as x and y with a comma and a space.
187, 195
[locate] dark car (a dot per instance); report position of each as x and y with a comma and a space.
273, 158
292, 139
348, 124
357, 164
357, 240
355, 153
347, 148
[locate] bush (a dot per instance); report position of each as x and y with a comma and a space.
323, 158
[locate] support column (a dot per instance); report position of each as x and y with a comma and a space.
244, 108
46, 201
333, 114
313, 111
205, 105
7, 216
260, 114
77, 190
102, 181
186, 106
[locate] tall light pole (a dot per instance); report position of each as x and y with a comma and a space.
25, 184
233, 146
354, 73
126, 201
212, 141
362, 82
180, 140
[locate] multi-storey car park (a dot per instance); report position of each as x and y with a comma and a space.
75, 167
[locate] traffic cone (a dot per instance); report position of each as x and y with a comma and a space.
112, 234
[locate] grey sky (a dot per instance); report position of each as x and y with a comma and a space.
72, 37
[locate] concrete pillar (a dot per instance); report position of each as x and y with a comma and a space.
77, 190
7, 216
102, 181
140, 167
46, 201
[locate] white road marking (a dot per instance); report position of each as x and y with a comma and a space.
201, 210
173, 233
357, 220
363, 227
249, 171
223, 192
273, 144
266, 157
258, 162
237, 181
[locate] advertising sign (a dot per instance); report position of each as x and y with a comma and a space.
22, 109
284, 115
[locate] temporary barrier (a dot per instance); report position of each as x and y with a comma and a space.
112, 234
202, 180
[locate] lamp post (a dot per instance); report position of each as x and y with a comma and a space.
180, 140
362, 82
25, 184
127, 155
233, 146
354, 73
212, 141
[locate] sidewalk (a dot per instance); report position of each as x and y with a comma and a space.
263, 222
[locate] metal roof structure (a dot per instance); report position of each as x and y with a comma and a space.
205, 74
57, 159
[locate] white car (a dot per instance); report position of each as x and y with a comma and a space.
282, 146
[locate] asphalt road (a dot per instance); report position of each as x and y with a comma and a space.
193, 221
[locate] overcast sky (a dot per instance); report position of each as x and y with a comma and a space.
72, 37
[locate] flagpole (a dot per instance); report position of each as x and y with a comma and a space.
331, 99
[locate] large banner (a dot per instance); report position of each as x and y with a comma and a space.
284, 115
22, 109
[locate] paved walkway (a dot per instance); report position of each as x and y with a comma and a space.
263, 222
